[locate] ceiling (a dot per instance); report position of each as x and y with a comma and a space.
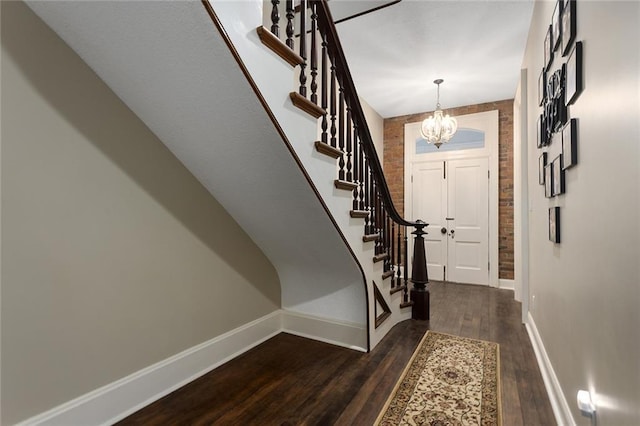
395, 53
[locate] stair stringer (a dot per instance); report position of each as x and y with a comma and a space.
274, 79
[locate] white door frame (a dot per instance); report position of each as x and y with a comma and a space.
521, 196
490, 150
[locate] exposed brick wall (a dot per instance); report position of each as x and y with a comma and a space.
394, 169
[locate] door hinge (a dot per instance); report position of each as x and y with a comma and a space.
444, 273
488, 266
488, 174
444, 170
411, 178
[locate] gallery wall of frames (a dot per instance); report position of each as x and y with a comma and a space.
559, 86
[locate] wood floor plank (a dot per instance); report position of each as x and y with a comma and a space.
289, 380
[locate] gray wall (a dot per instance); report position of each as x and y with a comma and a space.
113, 256
584, 292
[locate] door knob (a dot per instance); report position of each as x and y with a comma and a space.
452, 233
443, 230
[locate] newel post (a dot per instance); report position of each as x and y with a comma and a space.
419, 277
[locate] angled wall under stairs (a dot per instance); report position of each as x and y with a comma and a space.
168, 63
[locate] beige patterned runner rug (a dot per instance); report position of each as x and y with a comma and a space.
449, 381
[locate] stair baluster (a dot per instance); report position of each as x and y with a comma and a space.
406, 268
323, 80
382, 224
385, 240
388, 263
356, 167
275, 18
314, 54
399, 256
363, 170
379, 219
372, 208
367, 197
341, 128
332, 92
290, 28
303, 48
349, 165
376, 219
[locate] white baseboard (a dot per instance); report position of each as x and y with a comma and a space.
506, 284
117, 400
340, 333
559, 403
517, 290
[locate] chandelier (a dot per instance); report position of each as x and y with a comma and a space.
438, 129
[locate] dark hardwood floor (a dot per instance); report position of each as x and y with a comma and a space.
289, 380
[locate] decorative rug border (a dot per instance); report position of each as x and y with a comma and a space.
407, 368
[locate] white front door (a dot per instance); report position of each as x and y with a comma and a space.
468, 221
452, 197
431, 207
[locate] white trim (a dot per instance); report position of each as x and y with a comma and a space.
559, 404
339, 333
517, 291
505, 284
521, 195
117, 400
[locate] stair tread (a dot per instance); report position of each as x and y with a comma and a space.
387, 275
279, 47
346, 185
359, 213
306, 105
370, 237
398, 288
380, 257
326, 149
406, 304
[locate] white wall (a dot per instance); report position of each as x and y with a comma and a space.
585, 291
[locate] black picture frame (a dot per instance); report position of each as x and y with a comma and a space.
573, 79
542, 162
548, 48
548, 180
568, 25
540, 131
570, 144
558, 176
542, 87
556, 22
554, 224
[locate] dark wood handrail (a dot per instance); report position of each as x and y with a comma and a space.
345, 136
326, 25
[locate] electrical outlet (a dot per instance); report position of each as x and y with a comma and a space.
533, 303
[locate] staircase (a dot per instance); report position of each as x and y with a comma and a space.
199, 76
315, 68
